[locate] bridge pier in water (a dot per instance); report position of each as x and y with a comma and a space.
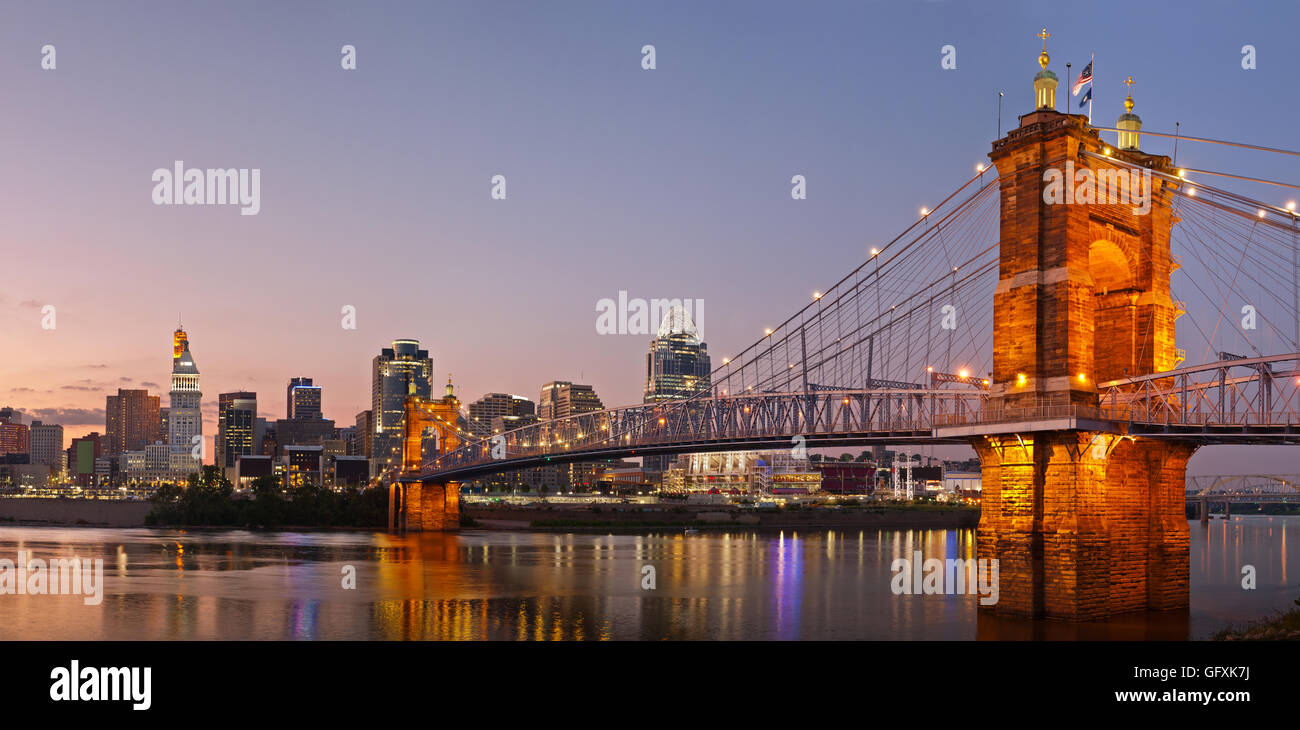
1082, 532
415, 506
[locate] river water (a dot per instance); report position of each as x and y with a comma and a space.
234, 584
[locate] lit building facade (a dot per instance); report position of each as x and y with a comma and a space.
132, 418
302, 400
485, 410
15, 438
47, 444
397, 371
236, 428
677, 366
561, 399
185, 416
742, 472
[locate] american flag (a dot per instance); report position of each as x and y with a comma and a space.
1084, 78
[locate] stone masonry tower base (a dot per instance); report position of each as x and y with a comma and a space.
1084, 525
423, 507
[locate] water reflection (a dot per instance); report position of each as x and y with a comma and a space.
208, 585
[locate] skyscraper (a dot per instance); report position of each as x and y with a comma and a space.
132, 419
677, 366
15, 438
561, 399
365, 433
403, 368
236, 426
185, 418
46, 443
302, 399
497, 405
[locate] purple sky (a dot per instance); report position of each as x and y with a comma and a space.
666, 183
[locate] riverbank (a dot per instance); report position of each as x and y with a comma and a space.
546, 518
631, 518
1283, 627
67, 511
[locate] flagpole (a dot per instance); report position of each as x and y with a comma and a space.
1092, 91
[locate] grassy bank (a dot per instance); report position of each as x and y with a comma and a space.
1282, 627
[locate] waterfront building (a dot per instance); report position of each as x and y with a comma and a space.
847, 477
302, 466
249, 468
347, 472
395, 372
742, 472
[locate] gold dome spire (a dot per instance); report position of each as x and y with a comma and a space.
1044, 81
1129, 124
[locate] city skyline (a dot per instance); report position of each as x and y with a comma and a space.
623, 195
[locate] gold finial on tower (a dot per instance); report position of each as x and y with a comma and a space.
1129, 124
450, 392
1044, 81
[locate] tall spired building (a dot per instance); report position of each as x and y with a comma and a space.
185, 420
677, 366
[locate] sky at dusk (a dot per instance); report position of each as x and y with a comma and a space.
667, 183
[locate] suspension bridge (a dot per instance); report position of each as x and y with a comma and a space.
1041, 333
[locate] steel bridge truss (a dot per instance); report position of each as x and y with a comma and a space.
1254, 400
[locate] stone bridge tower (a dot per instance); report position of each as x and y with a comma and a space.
413, 504
1084, 521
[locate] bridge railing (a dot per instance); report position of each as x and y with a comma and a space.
1261, 391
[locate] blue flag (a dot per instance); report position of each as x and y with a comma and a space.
1086, 98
